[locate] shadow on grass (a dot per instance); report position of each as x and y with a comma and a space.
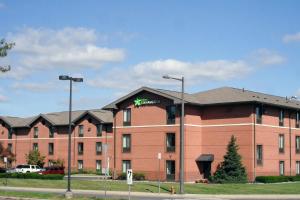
154, 188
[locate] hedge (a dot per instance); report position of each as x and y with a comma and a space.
33, 176
136, 176
276, 179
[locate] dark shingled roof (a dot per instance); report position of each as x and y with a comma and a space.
59, 118
223, 95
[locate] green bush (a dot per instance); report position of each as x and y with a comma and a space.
33, 176
139, 176
122, 176
276, 179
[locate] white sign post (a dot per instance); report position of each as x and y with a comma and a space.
159, 158
106, 160
129, 180
5, 161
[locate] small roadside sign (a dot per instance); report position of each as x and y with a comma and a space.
129, 176
5, 159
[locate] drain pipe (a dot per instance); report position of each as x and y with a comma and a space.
254, 142
290, 141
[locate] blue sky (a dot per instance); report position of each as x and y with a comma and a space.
118, 46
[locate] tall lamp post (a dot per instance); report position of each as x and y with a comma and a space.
181, 167
71, 79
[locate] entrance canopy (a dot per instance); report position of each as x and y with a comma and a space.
205, 158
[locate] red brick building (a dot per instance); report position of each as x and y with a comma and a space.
146, 122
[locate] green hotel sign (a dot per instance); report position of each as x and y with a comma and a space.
144, 101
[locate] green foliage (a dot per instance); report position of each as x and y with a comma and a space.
276, 179
136, 176
5, 152
32, 176
231, 170
4, 47
58, 162
35, 158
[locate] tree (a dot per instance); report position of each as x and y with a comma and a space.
35, 158
231, 170
58, 162
4, 47
6, 152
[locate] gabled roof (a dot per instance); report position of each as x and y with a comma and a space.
58, 118
223, 95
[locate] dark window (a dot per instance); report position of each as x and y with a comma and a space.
35, 146
99, 166
80, 148
281, 168
108, 128
259, 154
126, 143
99, 130
50, 148
297, 119
297, 167
80, 131
170, 169
98, 148
171, 114
297, 144
281, 118
80, 164
170, 142
127, 117
51, 132
35, 132
10, 133
126, 164
281, 143
259, 113
9, 147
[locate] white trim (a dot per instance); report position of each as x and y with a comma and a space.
218, 125
50, 139
149, 126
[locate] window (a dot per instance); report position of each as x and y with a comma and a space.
281, 143
170, 169
98, 165
9, 147
259, 113
50, 163
126, 143
80, 164
127, 117
297, 167
108, 128
50, 148
35, 146
259, 154
126, 164
51, 132
35, 132
80, 130
10, 133
281, 118
99, 130
297, 120
98, 148
281, 168
297, 144
171, 114
170, 142
80, 148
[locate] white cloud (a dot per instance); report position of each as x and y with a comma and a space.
150, 73
3, 98
69, 48
291, 38
34, 87
267, 57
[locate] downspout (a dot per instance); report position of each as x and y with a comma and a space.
115, 142
290, 141
254, 143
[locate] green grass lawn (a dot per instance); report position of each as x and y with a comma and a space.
278, 188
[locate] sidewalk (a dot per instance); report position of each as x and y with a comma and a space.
143, 195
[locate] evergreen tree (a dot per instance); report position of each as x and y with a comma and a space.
35, 158
4, 47
231, 170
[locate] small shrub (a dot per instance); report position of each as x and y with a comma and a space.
273, 179
33, 176
139, 176
122, 176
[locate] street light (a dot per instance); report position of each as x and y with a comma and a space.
71, 79
181, 166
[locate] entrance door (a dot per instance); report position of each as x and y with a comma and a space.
170, 170
205, 169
